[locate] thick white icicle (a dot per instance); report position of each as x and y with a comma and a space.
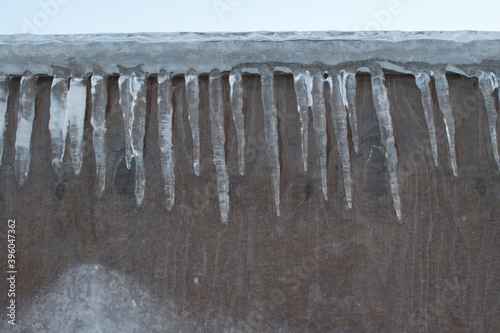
98, 121
4, 93
303, 91
25, 117
443, 95
193, 99
319, 124
236, 84
59, 122
133, 104
77, 101
423, 83
218, 141
348, 93
126, 100
382, 107
271, 129
339, 113
487, 85
165, 111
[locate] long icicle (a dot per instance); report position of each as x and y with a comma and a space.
348, 93
133, 103
98, 121
59, 122
165, 112
126, 100
193, 99
4, 93
303, 91
423, 83
218, 141
443, 95
271, 129
236, 85
487, 85
319, 124
340, 125
382, 107
25, 117
77, 101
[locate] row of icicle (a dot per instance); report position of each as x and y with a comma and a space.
68, 103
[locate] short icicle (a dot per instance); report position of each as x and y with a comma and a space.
319, 124
303, 91
348, 91
133, 103
218, 141
487, 84
59, 121
423, 83
271, 129
77, 101
165, 112
382, 107
25, 117
193, 99
4, 94
443, 95
236, 85
98, 121
339, 113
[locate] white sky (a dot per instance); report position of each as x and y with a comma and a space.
94, 16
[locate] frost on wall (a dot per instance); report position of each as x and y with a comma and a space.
319, 89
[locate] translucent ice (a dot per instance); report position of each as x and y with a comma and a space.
193, 99
423, 83
236, 84
218, 141
133, 103
339, 113
271, 129
382, 107
77, 100
487, 84
98, 121
25, 117
59, 121
348, 93
443, 95
4, 93
165, 111
319, 124
303, 91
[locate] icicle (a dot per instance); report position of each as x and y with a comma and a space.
340, 125
271, 129
382, 107
25, 117
423, 83
77, 100
98, 121
59, 122
193, 99
319, 124
443, 95
236, 84
303, 91
4, 93
487, 85
165, 111
348, 93
218, 141
133, 104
